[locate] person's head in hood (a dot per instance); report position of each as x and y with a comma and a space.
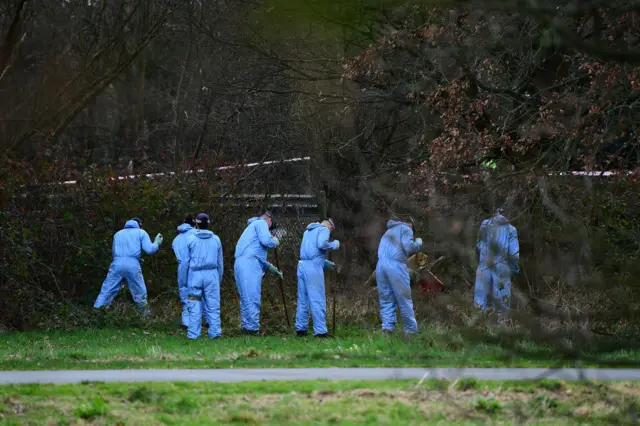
329, 224
187, 225
499, 218
202, 221
411, 222
138, 221
405, 219
268, 217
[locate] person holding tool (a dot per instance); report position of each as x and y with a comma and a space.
393, 276
313, 262
249, 267
127, 248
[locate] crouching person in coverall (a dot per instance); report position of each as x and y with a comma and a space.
499, 252
127, 248
392, 275
181, 250
204, 277
313, 262
249, 267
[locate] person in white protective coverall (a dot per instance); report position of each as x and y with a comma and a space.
249, 267
392, 275
313, 262
181, 250
499, 252
127, 248
206, 268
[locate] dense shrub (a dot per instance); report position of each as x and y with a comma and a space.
56, 239
56, 247
578, 244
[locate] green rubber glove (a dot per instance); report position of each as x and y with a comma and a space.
414, 276
330, 266
276, 272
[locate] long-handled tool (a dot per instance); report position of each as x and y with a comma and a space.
334, 284
333, 302
281, 281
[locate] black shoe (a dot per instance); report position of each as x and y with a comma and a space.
250, 332
184, 327
324, 336
301, 333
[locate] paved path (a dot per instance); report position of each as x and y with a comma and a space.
277, 374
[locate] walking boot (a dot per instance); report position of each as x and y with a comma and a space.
324, 336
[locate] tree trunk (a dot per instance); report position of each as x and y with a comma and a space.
11, 40
203, 132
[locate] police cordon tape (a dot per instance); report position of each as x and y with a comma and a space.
229, 167
487, 164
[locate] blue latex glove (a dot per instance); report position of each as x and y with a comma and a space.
414, 276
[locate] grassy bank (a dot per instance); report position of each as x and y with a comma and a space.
135, 348
318, 402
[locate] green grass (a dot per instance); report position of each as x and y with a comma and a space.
319, 402
135, 348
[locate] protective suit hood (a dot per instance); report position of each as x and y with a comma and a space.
204, 234
131, 224
394, 223
499, 220
185, 227
314, 226
253, 219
